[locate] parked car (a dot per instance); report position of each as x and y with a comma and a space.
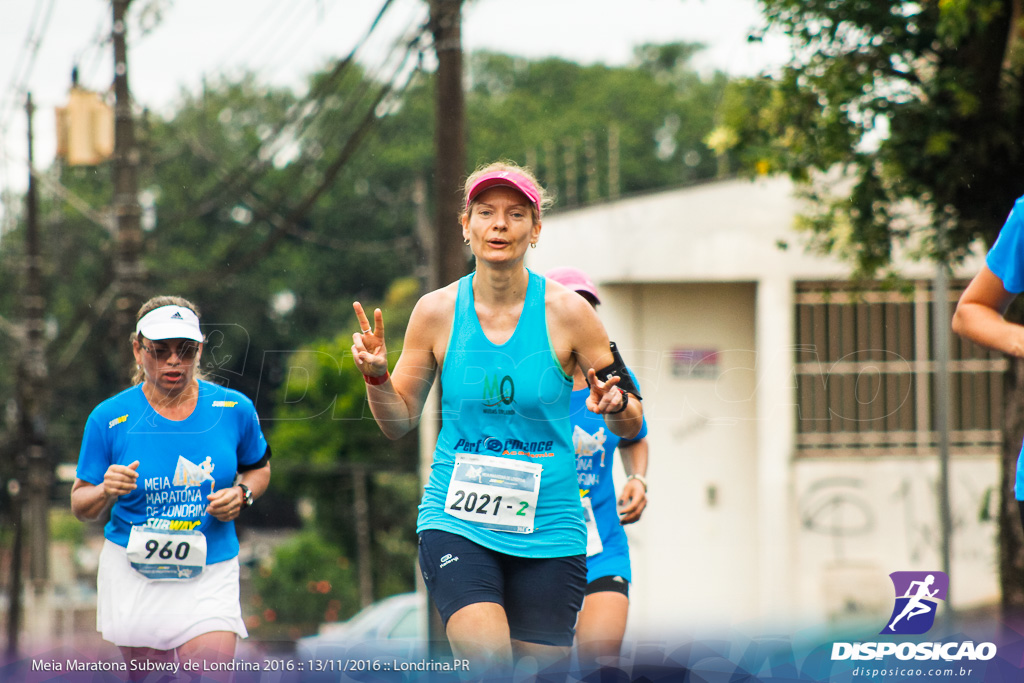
390, 630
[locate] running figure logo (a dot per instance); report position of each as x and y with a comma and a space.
190, 474
917, 596
589, 445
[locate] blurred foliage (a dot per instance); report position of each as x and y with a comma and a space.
64, 527
546, 112
901, 120
308, 581
324, 432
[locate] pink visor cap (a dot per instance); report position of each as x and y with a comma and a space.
511, 179
575, 279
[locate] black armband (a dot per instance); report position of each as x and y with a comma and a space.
262, 462
618, 369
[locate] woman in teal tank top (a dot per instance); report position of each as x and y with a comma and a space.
502, 537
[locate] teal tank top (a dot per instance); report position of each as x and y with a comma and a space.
504, 404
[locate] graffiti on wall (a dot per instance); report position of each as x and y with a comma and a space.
855, 514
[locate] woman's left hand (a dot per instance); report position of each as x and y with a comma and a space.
632, 502
226, 504
604, 397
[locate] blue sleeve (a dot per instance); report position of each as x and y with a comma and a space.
643, 428
639, 435
253, 444
1006, 257
94, 455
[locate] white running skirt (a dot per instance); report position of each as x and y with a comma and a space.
133, 611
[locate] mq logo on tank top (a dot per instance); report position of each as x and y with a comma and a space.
499, 395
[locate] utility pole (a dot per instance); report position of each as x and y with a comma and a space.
940, 332
14, 587
449, 138
128, 270
449, 263
31, 398
364, 550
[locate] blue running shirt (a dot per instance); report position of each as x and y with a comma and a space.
507, 401
180, 462
1006, 257
595, 447
1006, 260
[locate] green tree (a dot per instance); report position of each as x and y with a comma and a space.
545, 112
326, 435
913, 109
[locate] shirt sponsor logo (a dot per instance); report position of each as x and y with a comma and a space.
507, 447
116, 421
225, 404
499, 395
172, 524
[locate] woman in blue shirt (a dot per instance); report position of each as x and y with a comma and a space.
602, 621
175, 460
502, 537
979, 314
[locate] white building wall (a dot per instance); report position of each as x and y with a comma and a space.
738, 530
859, 519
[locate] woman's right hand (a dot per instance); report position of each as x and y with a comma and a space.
120, 479
368, 349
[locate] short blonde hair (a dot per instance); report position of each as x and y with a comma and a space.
546, 200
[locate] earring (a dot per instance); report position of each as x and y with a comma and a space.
466, 242
533, 245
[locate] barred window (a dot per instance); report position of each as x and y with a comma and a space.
865, 368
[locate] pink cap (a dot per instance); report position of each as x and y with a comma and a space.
508, 179
575, 279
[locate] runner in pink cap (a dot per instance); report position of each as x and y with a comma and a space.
508, 580
506, 178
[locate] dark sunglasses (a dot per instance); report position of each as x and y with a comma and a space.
186, 351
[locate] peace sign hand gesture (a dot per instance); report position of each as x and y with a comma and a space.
605, 398
368, 349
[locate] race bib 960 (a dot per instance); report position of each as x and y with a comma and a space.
167, 554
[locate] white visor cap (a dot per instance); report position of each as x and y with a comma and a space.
170, 322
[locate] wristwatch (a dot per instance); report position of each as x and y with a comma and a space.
246, 495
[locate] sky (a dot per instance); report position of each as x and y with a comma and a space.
175, 44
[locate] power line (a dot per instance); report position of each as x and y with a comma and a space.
265, 18
231, 177
271, 46
281, 228
29, 51
100, 39
303, 114
282, 225
412, 35
18, 88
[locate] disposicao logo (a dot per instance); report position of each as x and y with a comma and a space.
917, 600
917, 596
